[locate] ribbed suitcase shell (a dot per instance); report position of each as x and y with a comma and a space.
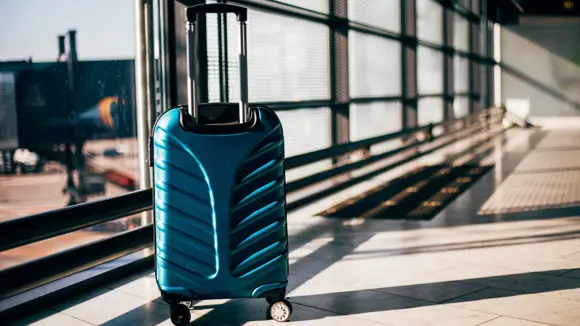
220, 210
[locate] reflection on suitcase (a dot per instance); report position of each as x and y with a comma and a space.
219, 196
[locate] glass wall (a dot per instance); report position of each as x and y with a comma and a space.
69, 130
70, 121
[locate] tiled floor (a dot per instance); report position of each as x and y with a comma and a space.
462, 268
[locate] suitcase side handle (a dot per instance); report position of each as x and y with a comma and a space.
192, 61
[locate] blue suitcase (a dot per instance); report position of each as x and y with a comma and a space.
219, 196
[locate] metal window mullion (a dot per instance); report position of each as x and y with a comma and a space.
448, 59
474, 90
339, 73
409, 63
490, 65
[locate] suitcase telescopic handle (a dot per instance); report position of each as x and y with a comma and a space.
191, 14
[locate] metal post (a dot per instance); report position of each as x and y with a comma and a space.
74, 159
409, 63
142, 97
340, 114
448, 59
474, 72
61, 47
497, 74
488, 65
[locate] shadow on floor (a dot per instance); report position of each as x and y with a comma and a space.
374, 300
399, 297
144, 316
422, 193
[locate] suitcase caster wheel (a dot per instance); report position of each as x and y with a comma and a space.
180, 315
280, 311
271, 301
188, 304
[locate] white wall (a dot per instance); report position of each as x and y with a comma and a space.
541, 66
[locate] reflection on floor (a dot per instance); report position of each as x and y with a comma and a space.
460, 268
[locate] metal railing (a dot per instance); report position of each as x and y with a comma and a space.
29, 229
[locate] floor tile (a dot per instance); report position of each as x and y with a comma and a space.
573, 256
433, 292
144, 287
51, 319
436, 315
507, 321
530, 307
574, 273
103, 307
253, 312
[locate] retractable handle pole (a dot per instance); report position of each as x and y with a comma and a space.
192, 64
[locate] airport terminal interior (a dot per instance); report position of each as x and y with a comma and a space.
428, 152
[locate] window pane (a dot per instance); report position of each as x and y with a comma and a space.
374, 119
379, 13
461, 74
429, 21
315, 5
375, 64
429, 109
288, 58
306, 130
429, 71
100, 121
460, 106
461, 37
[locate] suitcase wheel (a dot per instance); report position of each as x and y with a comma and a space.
280, 311
180, 315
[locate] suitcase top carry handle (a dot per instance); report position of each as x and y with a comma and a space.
216, 8
192, 64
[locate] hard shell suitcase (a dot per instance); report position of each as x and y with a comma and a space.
219, 195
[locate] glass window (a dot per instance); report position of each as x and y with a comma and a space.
314, 5
429, 71
89, 147
375, 66
461, 74
460, 106
369, 120
384, 14
429, 110
306, 130
288, 58
461, 36
429, 21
